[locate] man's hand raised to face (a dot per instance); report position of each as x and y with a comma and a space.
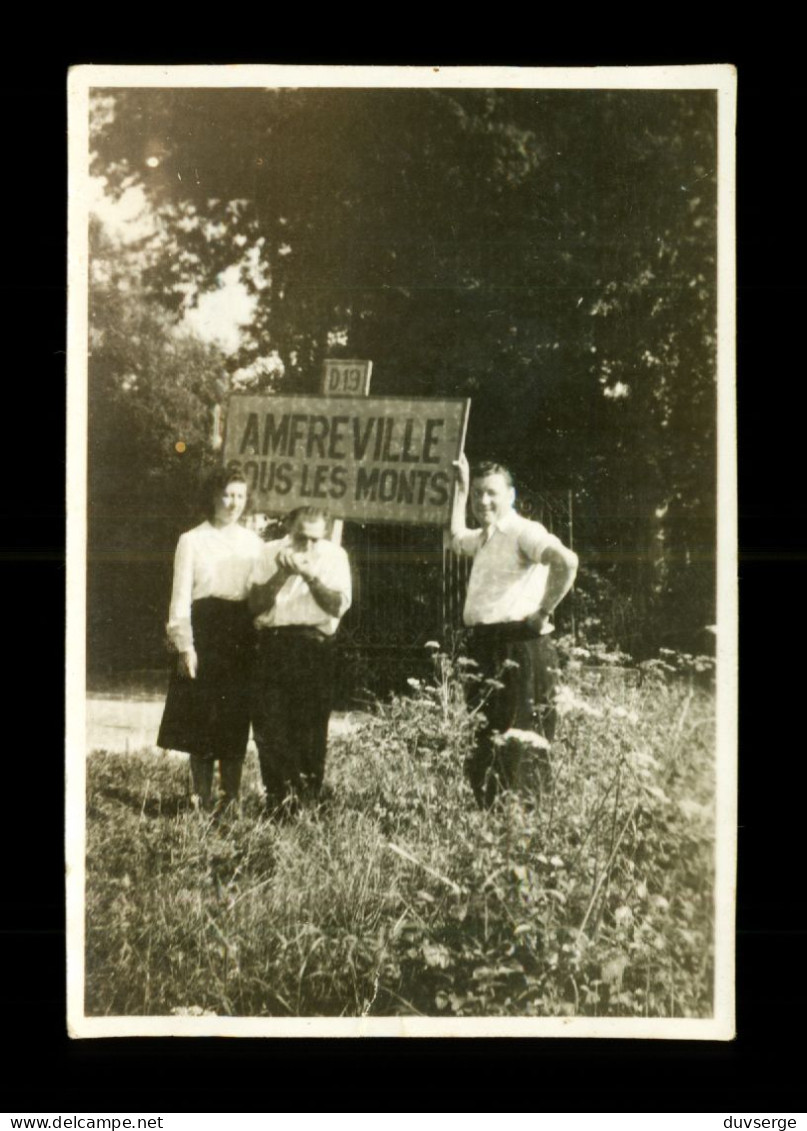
296, 562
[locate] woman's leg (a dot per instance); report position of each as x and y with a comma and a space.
202, 780
230, 772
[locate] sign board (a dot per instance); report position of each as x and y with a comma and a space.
370, 459
346, 378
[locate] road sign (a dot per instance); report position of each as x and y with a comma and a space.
342, 378
370, 459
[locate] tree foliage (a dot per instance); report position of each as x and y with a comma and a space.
550, 254
150, 397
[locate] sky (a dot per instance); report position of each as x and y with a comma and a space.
219, 315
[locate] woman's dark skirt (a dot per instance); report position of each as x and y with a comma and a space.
210, 715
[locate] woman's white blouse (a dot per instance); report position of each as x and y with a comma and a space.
209, 562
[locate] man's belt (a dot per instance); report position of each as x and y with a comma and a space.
505, 631
306, 631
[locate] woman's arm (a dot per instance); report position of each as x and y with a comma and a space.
180, 631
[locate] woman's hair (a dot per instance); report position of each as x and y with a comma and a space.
215, 484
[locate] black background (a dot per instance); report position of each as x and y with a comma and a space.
760, 1070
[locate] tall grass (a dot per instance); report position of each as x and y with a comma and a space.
398, 896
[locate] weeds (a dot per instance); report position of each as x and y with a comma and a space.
398, 896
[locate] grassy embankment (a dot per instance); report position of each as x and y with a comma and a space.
398, 896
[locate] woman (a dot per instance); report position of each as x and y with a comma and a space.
209, 626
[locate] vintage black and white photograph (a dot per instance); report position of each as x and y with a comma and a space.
401, 555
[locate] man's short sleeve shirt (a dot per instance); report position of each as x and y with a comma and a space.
507, 580
294, 604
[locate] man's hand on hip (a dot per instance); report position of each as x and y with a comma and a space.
538, 620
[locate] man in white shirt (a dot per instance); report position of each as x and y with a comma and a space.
520, 573
301, 588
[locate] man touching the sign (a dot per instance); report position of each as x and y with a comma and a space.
301, 588
520, 573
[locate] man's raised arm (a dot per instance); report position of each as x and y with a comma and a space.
334, 602
462, 488
262, 597
332, 590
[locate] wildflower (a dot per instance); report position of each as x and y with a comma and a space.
509, 664
564, 699
691, 808
623, 713
431, 644
642, 760
416, 684
613, 970
467, 662
657, 792
527, 739
656, 666
436, 955
524, 737
556, 862
566, 702
623, 916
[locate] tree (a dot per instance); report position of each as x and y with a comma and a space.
151, 391
548, 253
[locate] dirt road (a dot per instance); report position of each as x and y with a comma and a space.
123, 725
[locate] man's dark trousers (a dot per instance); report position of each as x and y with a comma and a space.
527, 667
291, 704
